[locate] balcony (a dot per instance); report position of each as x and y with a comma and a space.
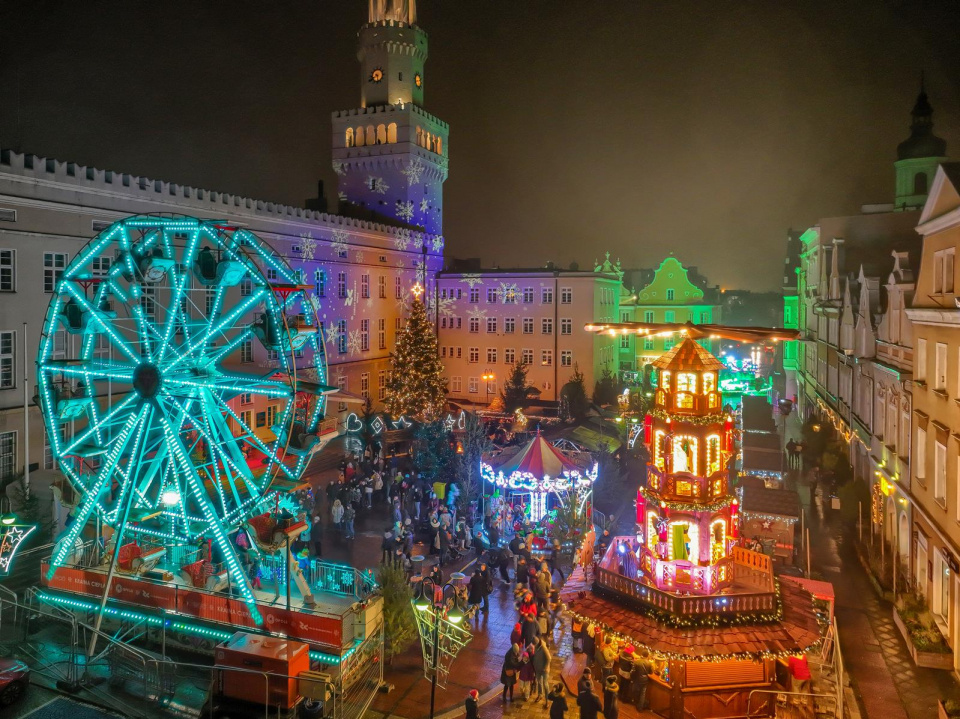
684, 487
689, 402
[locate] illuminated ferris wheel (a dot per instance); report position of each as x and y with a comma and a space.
144, 364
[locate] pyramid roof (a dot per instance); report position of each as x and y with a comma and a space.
688, 356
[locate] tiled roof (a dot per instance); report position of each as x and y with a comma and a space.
688, 356
798, 630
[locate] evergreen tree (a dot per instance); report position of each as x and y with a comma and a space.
574, 393
475, 444
399, 624
516, 391
416, 387
605, 389
434, 455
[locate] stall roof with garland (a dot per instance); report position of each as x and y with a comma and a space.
796, 631
779, 502
538, 457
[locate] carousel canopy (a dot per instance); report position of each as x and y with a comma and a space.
538, 458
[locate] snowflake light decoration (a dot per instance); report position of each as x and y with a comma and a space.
338, 241
424, 205
413, 171
354, 342
471, 279
332, 333
401, 239
359, 255
443, 306
417, 240
437, 244
342, 196
340, 167
307, 246
405, 209
476, 313
377, 184
508, 291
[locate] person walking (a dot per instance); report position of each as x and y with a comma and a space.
348, 516
527, 675
611, 698
336, 514
641, 676
316, 536
558, 702
529, 629
387, 546
487, 586
590, 705
472, 705
477, 589
541, 669
512, 662
553, 560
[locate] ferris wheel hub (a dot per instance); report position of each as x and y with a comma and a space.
147, 380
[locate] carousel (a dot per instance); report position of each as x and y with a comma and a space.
716, 623
540, 477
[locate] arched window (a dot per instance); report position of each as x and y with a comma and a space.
686, 381
420, 136
713, 454
709, 382
684, 455
920, 183
718, 540
392, 132
439, 145
371, 135
349, 138
659, 439
381, 134
360, 138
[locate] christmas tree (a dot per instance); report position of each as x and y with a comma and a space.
416, 387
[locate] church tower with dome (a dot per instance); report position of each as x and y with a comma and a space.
390, 155
918, 156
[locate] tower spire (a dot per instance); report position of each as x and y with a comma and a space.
918, 155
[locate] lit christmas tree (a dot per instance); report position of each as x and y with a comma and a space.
417, 387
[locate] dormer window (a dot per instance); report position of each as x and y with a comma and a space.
709, 382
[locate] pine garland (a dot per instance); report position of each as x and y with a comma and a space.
718, 418
416, 386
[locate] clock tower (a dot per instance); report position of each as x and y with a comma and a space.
390, 155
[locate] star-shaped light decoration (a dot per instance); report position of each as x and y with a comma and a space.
417, 290
11, 538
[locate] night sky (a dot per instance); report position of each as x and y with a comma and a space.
705, 129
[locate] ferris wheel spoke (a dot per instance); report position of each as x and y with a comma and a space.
93, 493
198, 343
253, 439
85, 305
210, 515
177, 290
108, 420
133, 464
217, 451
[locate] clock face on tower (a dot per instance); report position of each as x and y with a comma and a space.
418, 80
376, 75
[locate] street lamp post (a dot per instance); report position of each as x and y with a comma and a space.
487, 378
422, 603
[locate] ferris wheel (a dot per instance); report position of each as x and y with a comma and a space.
144, 365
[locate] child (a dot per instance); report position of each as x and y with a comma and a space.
473, 705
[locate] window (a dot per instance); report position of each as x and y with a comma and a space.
940, 473
474, 325
648, 316
397, 324
510, 295
474, 356
509, 325
941, 589
100, 266
528, 295
342, 384
8, 272
670, 294
271, 415
920, 369
459, 352
943, 262
546, 358
940, 377
365, 385
382, 333
382, 286
246, 351
669, 316
705, 316
491, 355
246, 398
546, 325
271, 274
364, 335
546, 296
8, 454
341, 285
566, 358
8, 346
528, 325
209, 298
921, 456
456, 385
246, 417
526, 357
624, 342
53, 266
474, 295
491, 295
342, 336
491, 325
566, 327
320, 279
509, 355
473, 385
566, 296
365, 286
382, 385
648, 343
246, 287
398, 288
